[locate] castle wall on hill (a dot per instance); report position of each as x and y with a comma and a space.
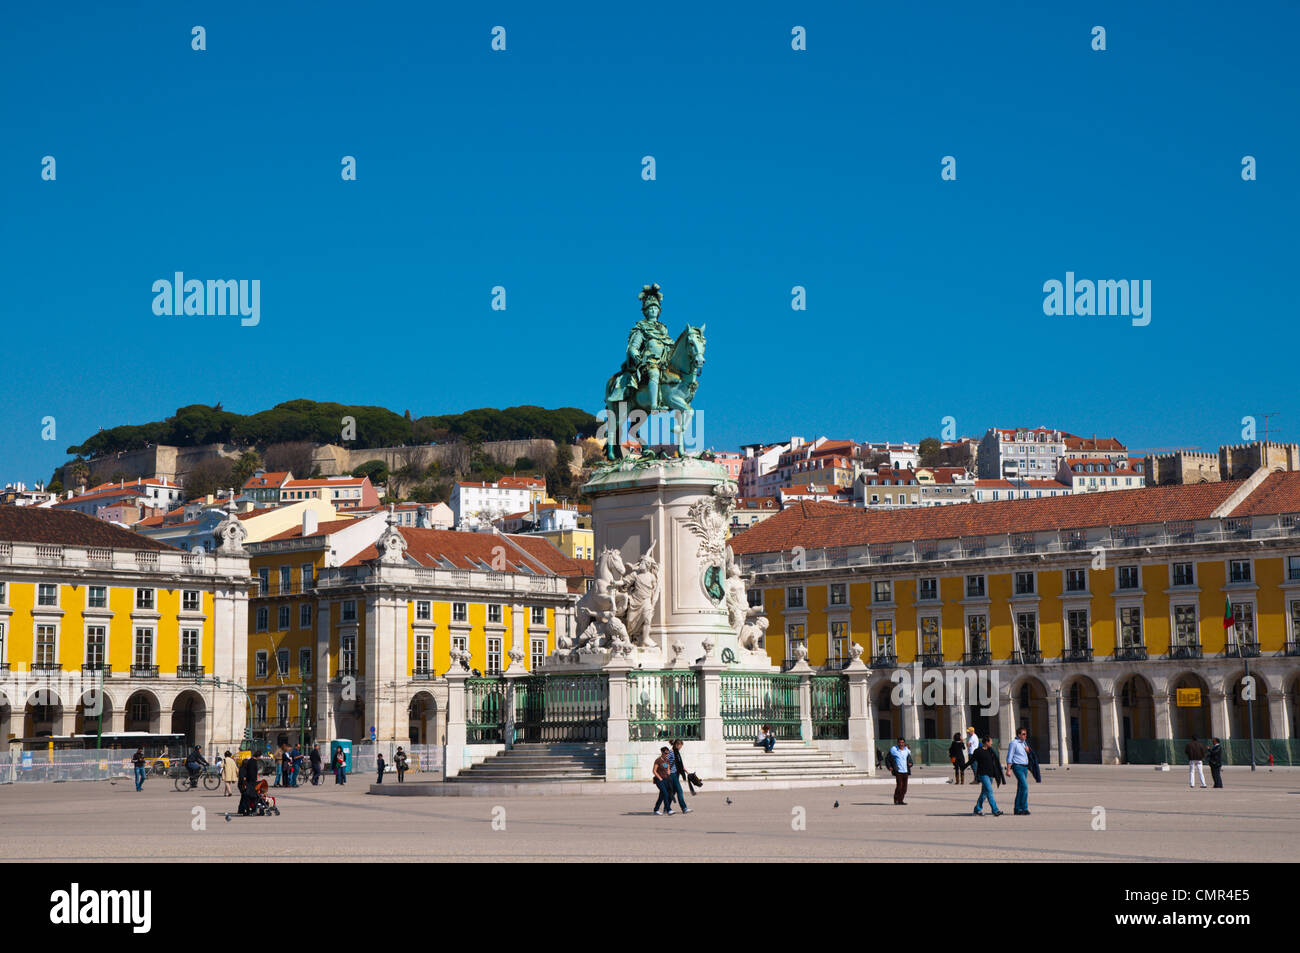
175, 463
335, 460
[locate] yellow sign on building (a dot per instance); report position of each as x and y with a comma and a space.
1189, 698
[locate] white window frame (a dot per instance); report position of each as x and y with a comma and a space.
41, 589
537, 615
186, 595
460, 612
90, 597
494, 653
423, 610
495, 615
198, 646
261, 664
151, 599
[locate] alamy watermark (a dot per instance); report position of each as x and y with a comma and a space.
659, 429
180, 295
946, 687
1106, 297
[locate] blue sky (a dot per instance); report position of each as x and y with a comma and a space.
775, 168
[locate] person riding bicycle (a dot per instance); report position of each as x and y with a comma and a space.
194, 763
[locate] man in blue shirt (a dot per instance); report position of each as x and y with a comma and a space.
900, 763
1018, 763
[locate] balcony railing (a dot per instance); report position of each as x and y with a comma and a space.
345, 671
1184, 651
1027, 657
43, 666
1292, 648
97, 667
1076, 654
1130, 653
189, 671
931, 659
884, 660
423, 675
1242, 650
144, 671
978, 657
1136, 536
99, 557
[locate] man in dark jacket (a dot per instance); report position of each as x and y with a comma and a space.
194, 763
1195, 752
1214, 758
248, 782
988, 771
315, 764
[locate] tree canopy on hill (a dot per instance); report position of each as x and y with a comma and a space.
525, 422
309, 421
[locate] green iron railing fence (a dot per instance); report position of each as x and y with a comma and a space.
1236, 751
558, 707
663, 705
485, 710
830, 706
751, 700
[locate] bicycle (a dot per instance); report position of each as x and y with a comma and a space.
209, 775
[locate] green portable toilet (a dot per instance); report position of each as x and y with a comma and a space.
346, 745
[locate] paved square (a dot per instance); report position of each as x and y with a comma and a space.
1149, 816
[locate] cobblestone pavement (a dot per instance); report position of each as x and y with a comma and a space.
1148, 816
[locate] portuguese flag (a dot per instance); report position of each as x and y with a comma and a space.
1227, 612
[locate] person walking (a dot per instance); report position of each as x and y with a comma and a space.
1214, 758
399, 760
987, 771
379, 765
957, 755
286, 767
279, 767
659, 774
340, 767
314, 758
1195, 752
900, 764
676, 772
229, 772
295, 758
137, 760
972, 745
1018, 764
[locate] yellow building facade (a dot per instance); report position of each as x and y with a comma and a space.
1087, 635
103, 631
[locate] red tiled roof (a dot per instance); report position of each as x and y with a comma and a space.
1093, 444
46, 525
323, 481
817, 525
266, 480
113, 491
1279, 493
429, 547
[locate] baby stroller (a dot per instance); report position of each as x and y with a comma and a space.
256, 802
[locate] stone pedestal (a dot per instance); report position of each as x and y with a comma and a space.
677, 511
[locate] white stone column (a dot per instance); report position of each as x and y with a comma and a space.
323, 700
1006, 720
1220, 723
1277, 714
454, 755
519, 628
1109, 718
1056, 720
713, 757
386, 671
620, 750
862, 746
805, 703
1160, 706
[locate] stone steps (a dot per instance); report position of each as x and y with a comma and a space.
788, 761
544, 763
